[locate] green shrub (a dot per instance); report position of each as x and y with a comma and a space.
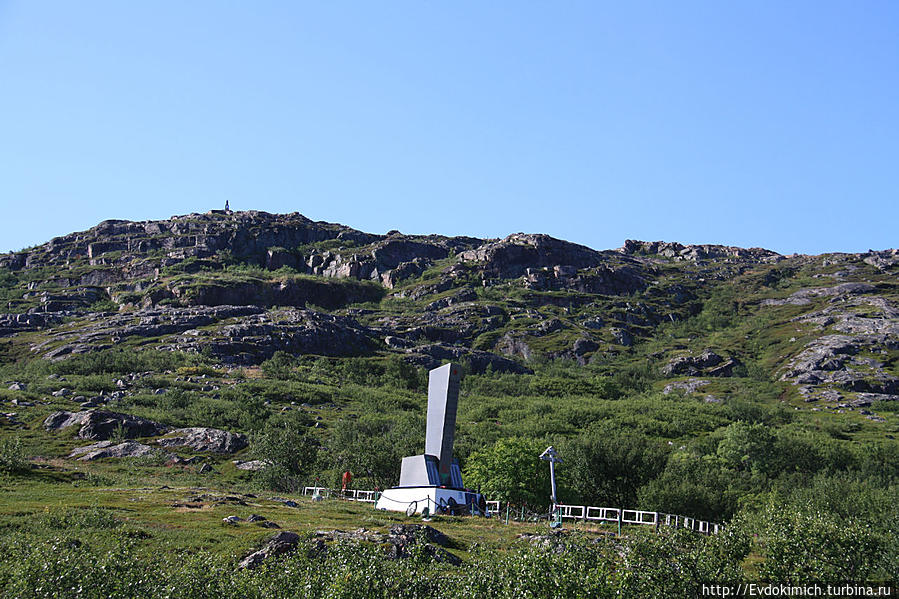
289, 454
12, 455
511, 470
802, 543
607, 467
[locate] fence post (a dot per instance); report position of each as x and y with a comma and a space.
507, 512
620, 512
657, 523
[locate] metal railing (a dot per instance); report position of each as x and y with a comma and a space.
586, 513
640, 517
350, 494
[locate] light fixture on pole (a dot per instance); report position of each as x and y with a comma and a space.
552, 457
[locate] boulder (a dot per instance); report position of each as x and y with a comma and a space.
688, 386
692, 365
63, 419
622, 336
103, 425
109, 449
99, 425
697, 253
251, 465
583, 346
412, 531
205, 439
283, 542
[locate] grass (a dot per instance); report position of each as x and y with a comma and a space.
173, 520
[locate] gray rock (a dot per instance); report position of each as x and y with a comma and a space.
62, 419
687, 386
595, 323
698, 253
17, 386
280, 544
513, 345
412, 531
100, 425
584, 346
251, 465
109, 449
205, 439
103, 425
622, 336
394, 342
829, 360
691, 365
872, 397
883, 260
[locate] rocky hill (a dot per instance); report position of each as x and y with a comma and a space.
240, 286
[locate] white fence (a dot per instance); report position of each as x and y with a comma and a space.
614, 514
586, 513
349, 494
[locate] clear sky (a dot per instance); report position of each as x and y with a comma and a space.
751, 123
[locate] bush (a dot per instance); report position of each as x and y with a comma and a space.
802, 543
607, 467
279, 366
692, 486
664, 566
373, 446
747, 447
511, 470
113, 361
289, 454
12, 456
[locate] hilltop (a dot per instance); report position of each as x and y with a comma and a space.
243, 285
179, 371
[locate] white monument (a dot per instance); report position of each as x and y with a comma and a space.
433, 479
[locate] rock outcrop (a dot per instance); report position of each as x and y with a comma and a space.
101, 425
110, 449
696, 253
205, 439
708, 362
512, 256
280, 544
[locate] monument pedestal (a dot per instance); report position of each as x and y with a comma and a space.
437, 499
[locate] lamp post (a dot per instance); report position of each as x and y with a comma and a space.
552, 457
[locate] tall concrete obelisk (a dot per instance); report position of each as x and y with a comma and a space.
433, 479
443, 399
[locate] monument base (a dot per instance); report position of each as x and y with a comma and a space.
413, 500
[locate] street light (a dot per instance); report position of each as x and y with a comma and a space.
552, 457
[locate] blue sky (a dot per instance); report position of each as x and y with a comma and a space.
772, 124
